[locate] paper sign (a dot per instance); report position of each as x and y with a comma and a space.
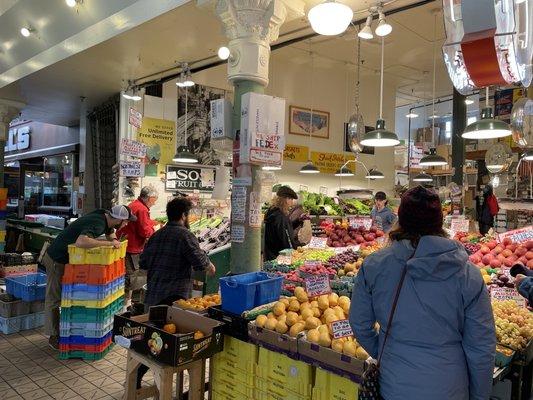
284, 260
312, 263
504, 293
132, 148
518, 235
318, 243
317, 285
459, 225
237, 233
131, 169
135, 118
357, 222
238, 204
255, 210
341, 329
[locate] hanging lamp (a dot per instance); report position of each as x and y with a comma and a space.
344, 172
528, 155
380, 137
330, 18
433, 159
487, 127
356, 124
374, 174
183, 155
271, 167
423, 177
310, 168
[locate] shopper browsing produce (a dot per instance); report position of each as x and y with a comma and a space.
382, 215
170, 255
487, 210
279, 234
84, 233
523, 281
442, 339
138, 233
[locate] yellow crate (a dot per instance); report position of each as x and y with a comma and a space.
239, 351
93, 303
122, 249
329, 386
2, 236
3, 193
241, 391
220, 396
260, 395
233, 375
219, 361
103, 255
295, 376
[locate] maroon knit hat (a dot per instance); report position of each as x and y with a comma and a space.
420, 211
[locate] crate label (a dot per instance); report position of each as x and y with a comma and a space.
318, 243
504, 293
341, 329
357, 222
317, 285
518, 235
122, 341
294, 371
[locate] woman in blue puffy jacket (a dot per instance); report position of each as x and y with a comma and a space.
442, 339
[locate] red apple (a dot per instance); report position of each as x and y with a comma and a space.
509, 262
487, 258
530, 264
529, 244
501, 258
484, 250
498, 249
507, 242
506, 253
511, 247
529, 255
523, 260
495, 263
491, 244
520, 251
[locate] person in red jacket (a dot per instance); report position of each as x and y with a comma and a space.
487, 210
138, 233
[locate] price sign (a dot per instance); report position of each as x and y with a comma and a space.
459, 225
135, 118
356, 222
341, 329
504, 293
132, 148
284, 260
318, 243
312, 263
518, 235
132, 169
317, 285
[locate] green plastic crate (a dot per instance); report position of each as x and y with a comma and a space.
85, 314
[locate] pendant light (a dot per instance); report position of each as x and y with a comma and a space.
310, 168
344, 172
374, 174
423, 177
380, 137
183, 155
528, 155
366, 32
487, 127
383, 28
271, 167
356, 124
330, 18
433, 159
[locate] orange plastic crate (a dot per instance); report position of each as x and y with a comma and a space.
94, 274
3, 204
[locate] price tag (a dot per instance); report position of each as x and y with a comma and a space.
317, 285
318, 243
459, 225
504, 293
312, 263
341, 329
518, 235
357, 222
285, 260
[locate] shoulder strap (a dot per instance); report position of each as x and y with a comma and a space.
393, 309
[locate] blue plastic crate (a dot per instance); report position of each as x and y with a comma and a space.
92, 326
86, 332
28, 287
82, 291
83, 340
244, 292
20, 323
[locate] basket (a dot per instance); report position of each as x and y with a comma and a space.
29, 287
11, 307
21, 323
94, 274
247, 291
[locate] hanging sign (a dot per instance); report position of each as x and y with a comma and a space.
135, 118
238, 204
505, 293
131, 169
255, 219
189, 179
317, 285
132, 148
518, 235
341, 329
237, 233
296, 153
329, 163
318, 243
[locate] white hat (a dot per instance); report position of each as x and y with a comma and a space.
122, 212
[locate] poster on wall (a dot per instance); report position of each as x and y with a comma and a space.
366, 149
300, 122
199, 99
160, 140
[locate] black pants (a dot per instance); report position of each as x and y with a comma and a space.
484, 228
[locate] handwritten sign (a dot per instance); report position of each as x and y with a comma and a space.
518, 235
255, 210
132, 169
132, 148
238, 203
317, 285
237, 233
341, 329
312, 263
294, 152
135, 118
459, 225
504, 293
357, 222
284, 260
318, 243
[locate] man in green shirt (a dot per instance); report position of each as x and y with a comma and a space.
84, 233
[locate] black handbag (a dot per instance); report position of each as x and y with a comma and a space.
369, 387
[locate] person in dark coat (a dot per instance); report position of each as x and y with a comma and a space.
279, 234
487, 210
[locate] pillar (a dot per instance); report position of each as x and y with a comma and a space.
250, 27
9, 110
458, 143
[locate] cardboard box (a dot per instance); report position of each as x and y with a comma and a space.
329, 359
145, 334
272, 340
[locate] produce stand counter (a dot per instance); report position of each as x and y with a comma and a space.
220, 257
35, 234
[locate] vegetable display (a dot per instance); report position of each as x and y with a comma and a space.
212, 232
342, 235
319, 204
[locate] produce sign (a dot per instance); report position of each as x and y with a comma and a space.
341, 329
358, 222
459, 225
131, 169
317, 285
518, 235
505, 293
318, 243
132, 148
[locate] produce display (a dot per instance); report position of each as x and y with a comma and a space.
313, 317
496, 255
212, 232
342, 235
514, 324
199, 303
319, 204
356, 207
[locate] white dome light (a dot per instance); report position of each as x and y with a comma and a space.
330, 18
383, 28
223, 53
25, 32
71, 3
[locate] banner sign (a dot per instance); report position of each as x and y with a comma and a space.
189, 179
296, 153
518, 235
160, 139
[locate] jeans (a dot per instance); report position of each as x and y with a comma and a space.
52, 303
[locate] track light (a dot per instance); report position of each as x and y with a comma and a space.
366, 32
223, 53
469, 101
185, 79
131, 94
411, 115
383, 28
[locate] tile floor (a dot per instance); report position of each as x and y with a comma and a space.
29, 369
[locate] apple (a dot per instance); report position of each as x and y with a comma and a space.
529, 244
484, 250
475, 259
507, 242
523, 260
529, 255
491, 245
511, 247
506, 253
498, 249
495, 263
521, 251
501, 258
487, 258
509, 262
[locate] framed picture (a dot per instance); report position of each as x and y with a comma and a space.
366, 149
300, 118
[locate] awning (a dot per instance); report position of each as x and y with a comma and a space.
50, 151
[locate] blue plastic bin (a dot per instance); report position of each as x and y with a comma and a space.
244, 292
29, 287
82, 291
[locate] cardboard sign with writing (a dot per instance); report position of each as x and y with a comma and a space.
459, 225
504, 293
518, 235
131, 169
318, 243
317, 285
255, 217
284, 260
132, 148
341, 329
135, 118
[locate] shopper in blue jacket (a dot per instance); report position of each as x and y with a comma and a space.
524, 285
442, 339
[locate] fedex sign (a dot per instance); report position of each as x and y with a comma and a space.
18, 139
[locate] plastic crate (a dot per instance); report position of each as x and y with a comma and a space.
65, 325
226, 388
238, 351
85, 332
86, 315
94, 274
85, 355
3, 193
93, 345
29, 287
82, 291
331, 386
20, 323
93, 303
103, 255
234, 373
2, 236
287, 395
12, 307
17, 270
246, 291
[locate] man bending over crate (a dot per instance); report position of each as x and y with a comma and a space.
84, 233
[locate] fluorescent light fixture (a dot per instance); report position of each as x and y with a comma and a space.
411, 115
374, 174
366, 32
383, 28
528, 155
271, 167
330, 18
344, 172
469, 101
130, 94
25, 32
223, 53
184, 156
423, 177
309, 168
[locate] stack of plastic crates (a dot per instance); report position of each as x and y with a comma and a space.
3, 215
92, 293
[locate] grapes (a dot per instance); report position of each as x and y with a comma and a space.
471, 248
514, 324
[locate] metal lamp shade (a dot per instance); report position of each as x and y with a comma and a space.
487, 127
433, 159
344, 172
423, 177
380, 137
375, 174
184, 156
528, 155
309, 168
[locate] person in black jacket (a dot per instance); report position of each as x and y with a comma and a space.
279, 234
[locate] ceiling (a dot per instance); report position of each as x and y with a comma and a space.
189, 33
